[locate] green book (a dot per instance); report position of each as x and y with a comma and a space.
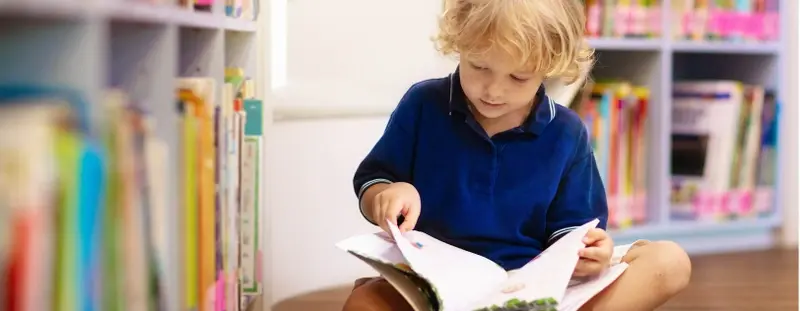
255, 117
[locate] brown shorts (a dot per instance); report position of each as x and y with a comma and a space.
375, 294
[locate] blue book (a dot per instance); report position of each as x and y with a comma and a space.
16, 93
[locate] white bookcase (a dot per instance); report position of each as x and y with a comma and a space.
137, 46
656, 63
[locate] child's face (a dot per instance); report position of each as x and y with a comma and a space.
496, 88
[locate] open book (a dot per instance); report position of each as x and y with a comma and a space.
432, 275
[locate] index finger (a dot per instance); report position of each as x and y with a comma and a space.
410, 218
594, 235
391, 210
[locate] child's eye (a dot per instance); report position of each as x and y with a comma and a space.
518, 79
478, 67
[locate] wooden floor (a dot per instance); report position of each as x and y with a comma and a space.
741, 281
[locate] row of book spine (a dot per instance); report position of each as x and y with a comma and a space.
723, 148
221, 150
724, 142
85, 215
697, 20
615, 114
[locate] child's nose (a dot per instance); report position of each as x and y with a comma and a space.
494, 91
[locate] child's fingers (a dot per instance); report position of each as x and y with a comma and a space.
377, 211
382, 208
391, 209
594, 235
410, 218
589, 253
587, 267
594, 253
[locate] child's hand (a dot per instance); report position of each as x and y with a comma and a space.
397, 199
596, 256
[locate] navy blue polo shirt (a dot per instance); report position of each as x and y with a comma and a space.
505, 197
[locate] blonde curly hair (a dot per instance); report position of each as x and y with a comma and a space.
544, 36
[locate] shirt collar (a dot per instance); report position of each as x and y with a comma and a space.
542, 113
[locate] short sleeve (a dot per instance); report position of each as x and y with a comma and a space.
391, 158
581, 196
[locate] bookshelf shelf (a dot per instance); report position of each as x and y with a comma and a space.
706, 237
658, 64
619, 44
135, 53
767, 48
238, 25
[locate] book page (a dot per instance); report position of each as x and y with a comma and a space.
459, 277
544, 280
580, 294
375, 246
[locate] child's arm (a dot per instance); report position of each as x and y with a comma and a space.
581, 195
390, 159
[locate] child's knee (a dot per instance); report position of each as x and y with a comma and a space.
375, 295
672, 264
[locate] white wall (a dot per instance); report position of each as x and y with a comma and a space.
359, 52
789, 130
359, 59
312, 202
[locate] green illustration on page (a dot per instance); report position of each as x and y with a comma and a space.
547, 304
433, 275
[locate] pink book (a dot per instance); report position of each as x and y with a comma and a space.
219, 301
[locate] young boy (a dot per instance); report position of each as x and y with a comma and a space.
484, 160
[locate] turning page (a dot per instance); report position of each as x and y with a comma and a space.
542, 283
374, 246
459, 278
579, 294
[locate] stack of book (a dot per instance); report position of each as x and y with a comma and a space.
725, 20
244, 9
615, 115
623, 18
241, 9
221, 149
85, 219
723, 150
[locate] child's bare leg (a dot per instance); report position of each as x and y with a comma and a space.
657, 271
375, 295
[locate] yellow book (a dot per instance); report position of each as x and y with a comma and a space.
190, 227
205, 159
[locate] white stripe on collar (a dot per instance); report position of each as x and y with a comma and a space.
552, 108
450, 101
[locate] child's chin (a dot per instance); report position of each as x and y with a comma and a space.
492, 113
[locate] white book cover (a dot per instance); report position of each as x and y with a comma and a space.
251, 154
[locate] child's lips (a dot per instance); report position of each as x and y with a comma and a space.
491, 104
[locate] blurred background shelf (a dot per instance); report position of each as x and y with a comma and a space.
134, 55
123, 10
